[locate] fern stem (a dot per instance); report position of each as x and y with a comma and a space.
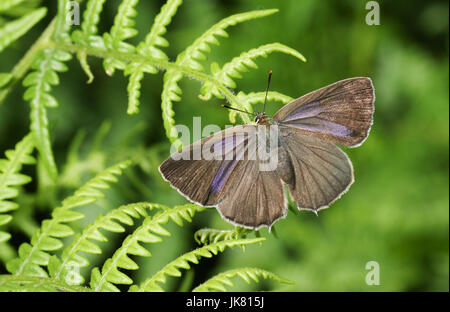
8, 170
162, 64
150, 224
35, 247
195, 254
73, 247
82, 196
25, 148
246, 274
42, 280
39, 120
21, 68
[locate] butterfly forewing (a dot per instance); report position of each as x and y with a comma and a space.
340, 113
234, 182
199, 170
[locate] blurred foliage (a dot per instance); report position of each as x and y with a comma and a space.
396, 213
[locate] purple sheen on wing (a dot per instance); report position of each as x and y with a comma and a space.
227, 165
227, 145
321, 125
222, 174
305, 111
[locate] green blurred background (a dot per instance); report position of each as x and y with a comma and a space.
397, 211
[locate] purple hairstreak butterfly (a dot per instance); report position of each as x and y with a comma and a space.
242, 170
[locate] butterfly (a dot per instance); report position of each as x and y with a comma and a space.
233, 177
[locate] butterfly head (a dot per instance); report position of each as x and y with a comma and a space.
262, 119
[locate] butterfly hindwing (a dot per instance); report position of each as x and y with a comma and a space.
254, 197
322, 171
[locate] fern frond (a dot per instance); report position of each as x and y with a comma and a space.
8, 4
207, 236
11, 31
120, 31
71, 259
171, 93
240, 64
123, 22
10, 178
134, 87
196, 51
149, 232
219, 281
39, 83
182, 262
61, 32
155, 39
91, 18
149, 48
258, 97
190, 57
35, 255
35, 284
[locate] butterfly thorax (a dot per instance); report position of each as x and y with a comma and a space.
262, 119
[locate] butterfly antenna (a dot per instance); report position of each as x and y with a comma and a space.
236, 109
267, 90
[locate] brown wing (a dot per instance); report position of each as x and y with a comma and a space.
243, 193
321, 171
195, 172
254, 198
341, 112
